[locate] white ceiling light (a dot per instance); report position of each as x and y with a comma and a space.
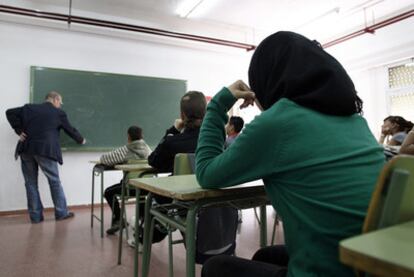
186, 7
195, 8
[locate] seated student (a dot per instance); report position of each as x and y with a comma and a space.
394, 130
311, 147
180, 138
135, 149
183, 135
233, 128
408, 145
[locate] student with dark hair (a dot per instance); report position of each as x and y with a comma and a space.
135, 149
394, 130
135, 133
183, 135
311, 147
233, 129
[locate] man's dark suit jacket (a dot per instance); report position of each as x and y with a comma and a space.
174, 142
41, 123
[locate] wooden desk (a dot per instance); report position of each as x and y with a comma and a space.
186, 188
386, 252
134, 167
139, 167
98, 170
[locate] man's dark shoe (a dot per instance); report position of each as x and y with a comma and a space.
69, 215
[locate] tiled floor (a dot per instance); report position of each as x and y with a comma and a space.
72, 248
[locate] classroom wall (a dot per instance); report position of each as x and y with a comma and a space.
23, 45
371, 85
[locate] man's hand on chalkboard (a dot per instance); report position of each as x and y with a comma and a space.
83, 141
23, 136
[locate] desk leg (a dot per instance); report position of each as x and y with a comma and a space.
146, 255
170, 254
121, 222
263, 226
136, 234
102, 212
190, 241
93, 195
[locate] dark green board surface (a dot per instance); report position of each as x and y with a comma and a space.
103, 105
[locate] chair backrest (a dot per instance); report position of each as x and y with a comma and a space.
139, 174
392, 201
216, 226
184, 163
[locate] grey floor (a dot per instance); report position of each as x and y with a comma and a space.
72, 248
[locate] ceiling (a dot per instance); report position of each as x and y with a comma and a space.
320, 19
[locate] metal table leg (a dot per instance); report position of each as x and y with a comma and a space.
102, 210
95, 173
190, 241
147, 243
93, 195
136, 233
122, 223
263, 226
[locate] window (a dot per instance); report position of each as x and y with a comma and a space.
401, 76
401, 90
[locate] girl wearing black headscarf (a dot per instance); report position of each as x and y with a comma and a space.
314, 152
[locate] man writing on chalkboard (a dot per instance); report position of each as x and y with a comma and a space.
38, 126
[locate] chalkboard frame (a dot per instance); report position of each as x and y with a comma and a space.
68, 145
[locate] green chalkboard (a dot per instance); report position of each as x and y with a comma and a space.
103, 105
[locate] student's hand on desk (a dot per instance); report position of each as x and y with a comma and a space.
242, 91
179, 124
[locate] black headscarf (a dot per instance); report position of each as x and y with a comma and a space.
289, 65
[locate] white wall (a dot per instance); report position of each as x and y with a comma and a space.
371, 85
22, 46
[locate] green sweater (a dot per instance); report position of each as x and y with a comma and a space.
319, 172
